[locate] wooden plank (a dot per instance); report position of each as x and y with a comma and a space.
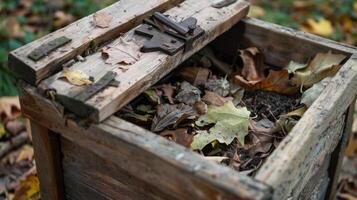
125, 15
175, 170
339, 153
280, 44
48, 162
151, 67
87, 176
289, 167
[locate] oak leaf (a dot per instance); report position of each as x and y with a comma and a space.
122, 52
229, 123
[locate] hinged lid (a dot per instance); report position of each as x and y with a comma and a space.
134, 70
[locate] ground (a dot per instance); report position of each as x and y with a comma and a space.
22, 21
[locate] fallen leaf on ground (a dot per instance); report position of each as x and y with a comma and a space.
26, 153
62, 19
230, 122
277, 81
287, 121
311, 94
253, 64
200, 107
179, 136
9, 108
219, 86
321, 27
195, 75
351, 150
28, 189
12, 28
75, 77
212, 98
169, 91
256, 11
102, 19
168, 115
2, 131
188, 94
122, 52
152, 96
321, 66
264, 126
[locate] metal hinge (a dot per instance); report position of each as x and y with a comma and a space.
167, 35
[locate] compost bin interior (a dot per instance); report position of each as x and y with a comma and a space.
263, 105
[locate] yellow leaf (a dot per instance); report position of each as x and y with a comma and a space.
29, 189
75, 77
346, 23
355, 6
321, 27
321, 66
256, 11
2, 130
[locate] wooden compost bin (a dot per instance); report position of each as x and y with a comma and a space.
110, 158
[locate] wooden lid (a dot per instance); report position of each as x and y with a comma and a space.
134, 77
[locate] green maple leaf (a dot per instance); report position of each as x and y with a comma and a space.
230, 122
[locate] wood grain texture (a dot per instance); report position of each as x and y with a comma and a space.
339, 153
151, 67
175, 171
48, 162
315, 136
280, 44
125, 15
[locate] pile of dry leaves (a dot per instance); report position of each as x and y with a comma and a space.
17, 165
236, 119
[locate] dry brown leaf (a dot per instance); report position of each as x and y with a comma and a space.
123, 52
195, 75
26, 153
179, 136
277, 81
9, 108
351, 150
253, 61
212, 98
62, 19
29, 189
13, 28
75, 77
102, 19
169, 92
321, 66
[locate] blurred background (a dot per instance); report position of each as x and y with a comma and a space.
22, 21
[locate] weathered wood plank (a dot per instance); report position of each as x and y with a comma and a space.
280, 44
87, 175
48, 161
176, 171
125, 15
339, 153
289, 167
151, 66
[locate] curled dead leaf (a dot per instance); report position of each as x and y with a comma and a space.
212, 98
179, 136
9, 108
195, 75
122, 52
321, 66
277, 81
169, 92
75, 77
253, 64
